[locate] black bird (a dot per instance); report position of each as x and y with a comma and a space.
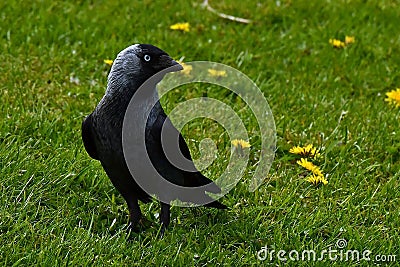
102, 131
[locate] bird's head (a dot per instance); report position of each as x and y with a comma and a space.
137, 63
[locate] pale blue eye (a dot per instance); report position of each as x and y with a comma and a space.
146, 57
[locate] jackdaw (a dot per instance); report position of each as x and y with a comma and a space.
102, 131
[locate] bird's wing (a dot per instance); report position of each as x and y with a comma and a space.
163, 123
182, 143
88, 138
191, 179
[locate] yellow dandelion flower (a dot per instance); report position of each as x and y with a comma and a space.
240, 143
317, 179
310, 166
296, 150
217, 73
108, 61
337, 43
349, 39
306, 164
307, 151
186, 68
185, 27
393, 97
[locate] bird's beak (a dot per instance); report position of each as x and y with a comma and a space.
176, 65
170, 65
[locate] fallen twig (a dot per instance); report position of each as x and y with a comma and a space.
225, 16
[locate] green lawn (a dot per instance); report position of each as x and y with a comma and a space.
59, 208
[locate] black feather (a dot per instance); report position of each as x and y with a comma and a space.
88, 138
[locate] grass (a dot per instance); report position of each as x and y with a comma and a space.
58, 206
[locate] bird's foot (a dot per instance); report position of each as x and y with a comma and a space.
139, 225
164, 218
162, 231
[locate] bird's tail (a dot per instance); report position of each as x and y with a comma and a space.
201, 180
217, 205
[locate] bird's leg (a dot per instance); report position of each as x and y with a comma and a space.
164, 217
134, 215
